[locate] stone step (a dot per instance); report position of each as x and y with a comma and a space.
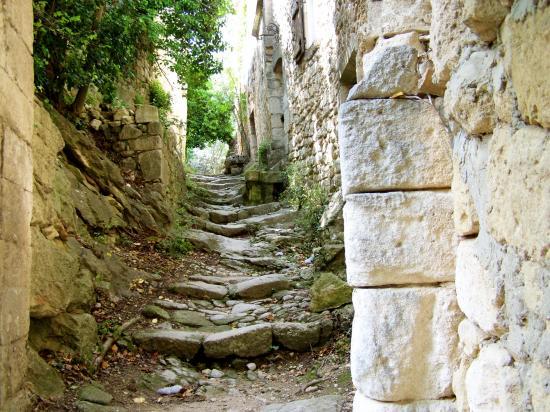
221, 244
245, 342
219, 280
327, 403
252, 288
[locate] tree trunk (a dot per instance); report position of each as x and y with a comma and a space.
80, 99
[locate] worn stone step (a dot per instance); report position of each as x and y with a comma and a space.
219, 280
222, 244
244, 342
327, 403
190, 318
281, 216
259, 287
171, 342
198, 289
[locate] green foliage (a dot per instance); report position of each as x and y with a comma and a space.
160, 98
139, 99
83, 42
263, 154
209, 116
310, 199
176, 244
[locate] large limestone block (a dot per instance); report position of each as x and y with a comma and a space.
448, 35
465, 214
404, 342
469, 98
480, 294
492, 382
392, 144
362, 403
171, 342
246, 342
147, 114
518, 181
483, 17
151, 164
387, 70
386, 18
399, 238
526, 35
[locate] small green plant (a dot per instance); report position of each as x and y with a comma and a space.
175, 245
160, 98
139, 99
308, 198
263, 154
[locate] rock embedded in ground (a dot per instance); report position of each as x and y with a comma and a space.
329, 292
245, 342
240, 308
260, 287
172, 342
45, 381
190, 318
197, 289
225, 319
152, 311
94, 394
84, 406
297, 336
168, 304
328, 403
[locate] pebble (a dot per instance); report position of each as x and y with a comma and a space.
260, 311
251, 375
265, 315
170, 390
311, 389
251, 366
206, 372
233, 302
216, 374
287, 297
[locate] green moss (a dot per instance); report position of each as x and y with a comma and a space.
329, 292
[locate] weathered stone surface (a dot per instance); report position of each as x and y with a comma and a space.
95, 394
147, 114
84, 406
399, 238
468, 98
327, 403
464, 214
492, 382
362, 403
392, 144
151, 165
44, 380
448, 35
129, 132
190, 318
197, 289
69, 333
518, 181
245, 342
397, 16
329, 292
387, 70
483, 17
404, 342
221, 244
480, 293
297, 336
260, 287
470, 338
145, 143
525, 35
170, 342
152, 311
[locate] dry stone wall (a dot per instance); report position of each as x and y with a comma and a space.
16, 121
446, 176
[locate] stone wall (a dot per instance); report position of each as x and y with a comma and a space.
16, 121
295, 103
451, 285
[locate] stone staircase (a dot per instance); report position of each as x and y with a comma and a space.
253, 302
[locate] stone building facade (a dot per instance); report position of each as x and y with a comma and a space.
442, 148
16, 122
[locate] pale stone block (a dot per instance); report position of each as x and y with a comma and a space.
146, 114
17, 160
146, 143
19, 62
470, 337
448, 35
130, 132
386, 18
459, 384
518, 181
14, 316
492, 382
18, 113
387, 71
363, 404
399, 238
465, 213
16, 207
483, 17
391, 144
538, 385
13, 365
480, 294
404, 342
468, 98
151, 164
525, 36
20, 14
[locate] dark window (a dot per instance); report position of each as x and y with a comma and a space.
298, 30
